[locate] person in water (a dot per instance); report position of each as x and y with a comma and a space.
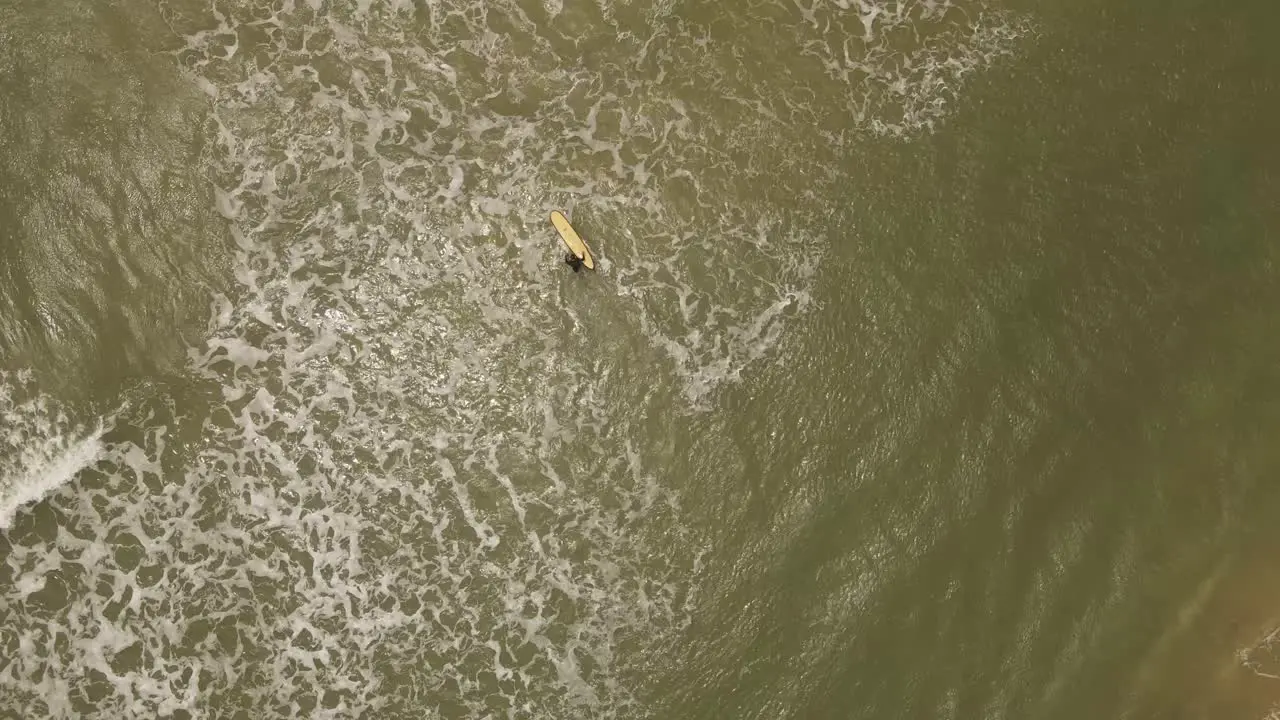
573, 261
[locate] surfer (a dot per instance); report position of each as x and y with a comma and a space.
579, 254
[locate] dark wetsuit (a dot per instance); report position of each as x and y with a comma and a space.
573, 261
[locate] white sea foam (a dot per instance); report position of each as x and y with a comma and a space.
42, 473
41, 448
421, 484
904, 63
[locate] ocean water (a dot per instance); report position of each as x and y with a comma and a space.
928, 370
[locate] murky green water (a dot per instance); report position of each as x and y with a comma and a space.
929, 370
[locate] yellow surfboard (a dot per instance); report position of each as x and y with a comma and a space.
570, 238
